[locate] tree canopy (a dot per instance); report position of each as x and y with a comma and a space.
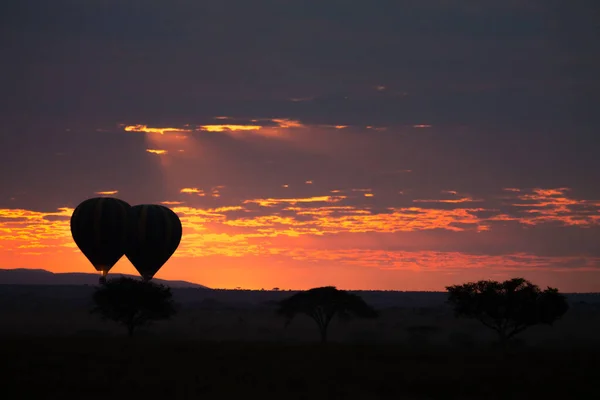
322, 304
132, 302
507, 307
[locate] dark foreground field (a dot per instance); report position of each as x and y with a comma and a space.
231, 344
108, 368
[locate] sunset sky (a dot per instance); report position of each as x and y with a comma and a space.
397, 145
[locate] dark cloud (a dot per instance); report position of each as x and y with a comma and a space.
459, 64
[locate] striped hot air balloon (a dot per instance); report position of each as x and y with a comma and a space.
154, 234
99, 229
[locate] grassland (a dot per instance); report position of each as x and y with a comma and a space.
95, 368
53, 348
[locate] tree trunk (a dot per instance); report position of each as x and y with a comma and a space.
323, 330
504, 340
130, 329
503, 336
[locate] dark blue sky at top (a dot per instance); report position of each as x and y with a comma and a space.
511, 89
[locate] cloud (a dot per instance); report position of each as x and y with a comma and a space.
336, 229
459, 200
316, 199
25, 229
229, 128
433, 261
197, 191
271, 127
539, 206
107, 192
146, 129
157, 151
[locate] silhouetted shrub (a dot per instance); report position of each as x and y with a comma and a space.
132, 302
322, 304
509, 307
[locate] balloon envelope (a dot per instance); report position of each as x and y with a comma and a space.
99, 229
154, 234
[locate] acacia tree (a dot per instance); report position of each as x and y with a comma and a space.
322, 304
132, 302
508, 307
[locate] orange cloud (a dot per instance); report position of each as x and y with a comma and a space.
552, 205
108, 192
229, 128
316, 199
200, 192
347, 219
145, 128
288, 123
249, 233
334, 126
461, 200
275, 128
25, 229
156, 151
237, 230
464, 199
443, 261
276, 132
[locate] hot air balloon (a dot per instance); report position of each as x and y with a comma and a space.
154, 234
99, 229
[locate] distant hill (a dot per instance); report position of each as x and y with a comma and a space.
24, 276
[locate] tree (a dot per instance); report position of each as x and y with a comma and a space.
322, 304
509, 307
132, 302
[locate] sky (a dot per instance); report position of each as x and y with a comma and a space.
393, 145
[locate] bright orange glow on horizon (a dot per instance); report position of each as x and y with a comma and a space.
304, 231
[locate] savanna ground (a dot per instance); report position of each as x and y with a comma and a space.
52, 348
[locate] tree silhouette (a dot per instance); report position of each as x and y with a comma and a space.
509, 307
132, 302
322, 304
